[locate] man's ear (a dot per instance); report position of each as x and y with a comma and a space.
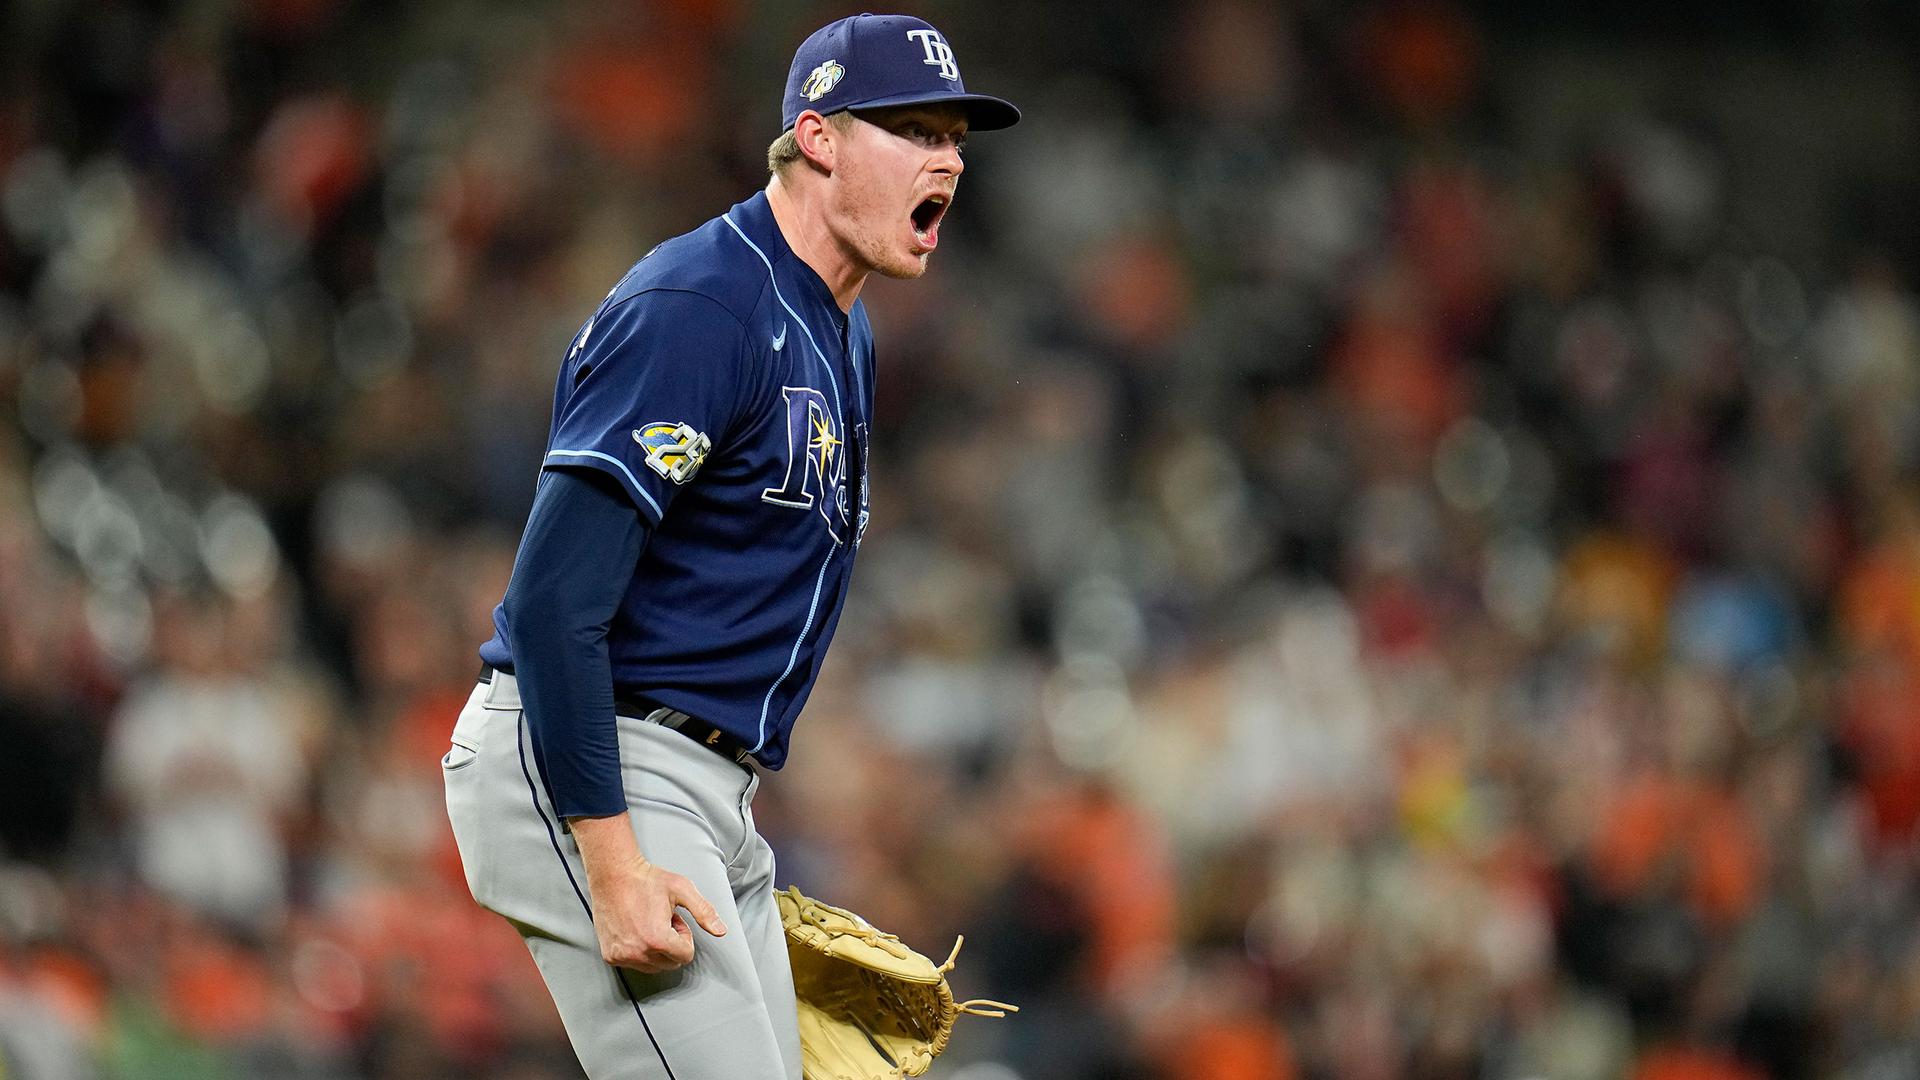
817, 139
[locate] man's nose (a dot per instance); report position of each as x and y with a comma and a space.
947, 159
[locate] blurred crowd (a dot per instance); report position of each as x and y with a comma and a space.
1395, 551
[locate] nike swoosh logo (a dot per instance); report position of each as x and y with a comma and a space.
780, 339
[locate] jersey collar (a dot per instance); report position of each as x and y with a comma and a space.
756, 216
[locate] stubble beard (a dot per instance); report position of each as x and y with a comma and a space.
915, 266
880, 251
871, 235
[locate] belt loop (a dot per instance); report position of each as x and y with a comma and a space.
503, 692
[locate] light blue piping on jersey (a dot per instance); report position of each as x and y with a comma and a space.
813, 608
794, 656
621, 465
824, 363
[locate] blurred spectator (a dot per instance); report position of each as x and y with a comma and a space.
209, 756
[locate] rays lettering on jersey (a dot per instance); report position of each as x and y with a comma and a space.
816, 476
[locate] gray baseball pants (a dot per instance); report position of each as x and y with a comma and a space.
728, 1015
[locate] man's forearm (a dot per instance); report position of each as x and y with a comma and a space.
607, 845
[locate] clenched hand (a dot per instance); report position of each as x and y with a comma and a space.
637, 905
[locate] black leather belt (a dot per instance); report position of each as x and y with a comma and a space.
720, 742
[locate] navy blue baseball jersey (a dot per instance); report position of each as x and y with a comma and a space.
728, 395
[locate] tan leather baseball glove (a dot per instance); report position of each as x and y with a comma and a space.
870, 1007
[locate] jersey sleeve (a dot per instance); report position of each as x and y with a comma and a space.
650, 387
560, 600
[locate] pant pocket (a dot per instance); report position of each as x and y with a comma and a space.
467, 804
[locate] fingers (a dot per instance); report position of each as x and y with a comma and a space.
644, 930
673, 950
652, 951
686, 896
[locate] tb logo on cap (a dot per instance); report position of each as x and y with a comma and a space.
939, 53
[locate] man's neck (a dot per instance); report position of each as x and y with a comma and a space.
803, 224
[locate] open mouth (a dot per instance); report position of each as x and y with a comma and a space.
926, 218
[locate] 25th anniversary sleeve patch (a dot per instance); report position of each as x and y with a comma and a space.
674, 450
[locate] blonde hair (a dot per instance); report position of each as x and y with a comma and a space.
785, 150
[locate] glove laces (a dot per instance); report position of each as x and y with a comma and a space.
815, 912
974, 1006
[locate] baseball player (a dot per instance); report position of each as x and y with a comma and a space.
692, 537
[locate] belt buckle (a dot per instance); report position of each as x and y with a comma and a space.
676, 720
714, 741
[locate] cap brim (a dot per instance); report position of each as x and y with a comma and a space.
984, 113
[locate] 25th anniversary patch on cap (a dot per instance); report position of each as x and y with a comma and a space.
821, 80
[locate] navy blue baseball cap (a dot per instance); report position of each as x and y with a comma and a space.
874, 61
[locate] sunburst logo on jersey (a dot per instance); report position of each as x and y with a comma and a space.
821, 80
822, 446
674, 450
